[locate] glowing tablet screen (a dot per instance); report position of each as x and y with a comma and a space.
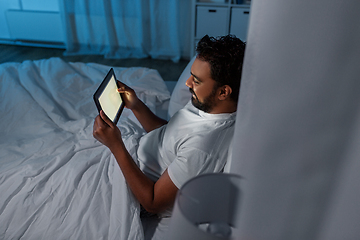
108, 99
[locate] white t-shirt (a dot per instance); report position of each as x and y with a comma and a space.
192, 143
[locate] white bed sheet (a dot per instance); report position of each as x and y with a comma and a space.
56, 180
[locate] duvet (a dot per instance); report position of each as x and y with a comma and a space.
56, 180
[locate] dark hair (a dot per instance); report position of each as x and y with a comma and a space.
225, 55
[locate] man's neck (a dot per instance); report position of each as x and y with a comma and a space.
224, 107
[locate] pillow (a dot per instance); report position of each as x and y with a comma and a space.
181, 95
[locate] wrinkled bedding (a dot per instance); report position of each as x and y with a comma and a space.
56, 180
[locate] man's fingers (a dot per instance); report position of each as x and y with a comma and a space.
106, 119
121, 90
122, 87
120, 84
98, 124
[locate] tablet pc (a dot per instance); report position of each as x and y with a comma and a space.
108, 99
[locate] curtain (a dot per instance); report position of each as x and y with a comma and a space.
297, 134
124, 28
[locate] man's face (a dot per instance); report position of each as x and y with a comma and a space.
202, 86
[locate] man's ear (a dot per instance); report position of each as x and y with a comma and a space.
225, 92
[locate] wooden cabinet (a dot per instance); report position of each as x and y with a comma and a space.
218, 18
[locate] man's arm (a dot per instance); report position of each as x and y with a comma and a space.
146, 117
154, 197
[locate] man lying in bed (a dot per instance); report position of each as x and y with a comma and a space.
196, 139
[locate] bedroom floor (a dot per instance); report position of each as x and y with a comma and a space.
168, 70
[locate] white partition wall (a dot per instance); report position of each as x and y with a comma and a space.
4, 5
297, 138
31, 22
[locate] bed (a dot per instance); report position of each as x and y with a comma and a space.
56, 180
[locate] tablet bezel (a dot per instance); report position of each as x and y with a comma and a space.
100, 90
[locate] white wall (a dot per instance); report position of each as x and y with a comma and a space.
41, 5
4, 5
28, 21
26, 5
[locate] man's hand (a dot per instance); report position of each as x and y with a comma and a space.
106, 132
129, 95
154, 197
148, 120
